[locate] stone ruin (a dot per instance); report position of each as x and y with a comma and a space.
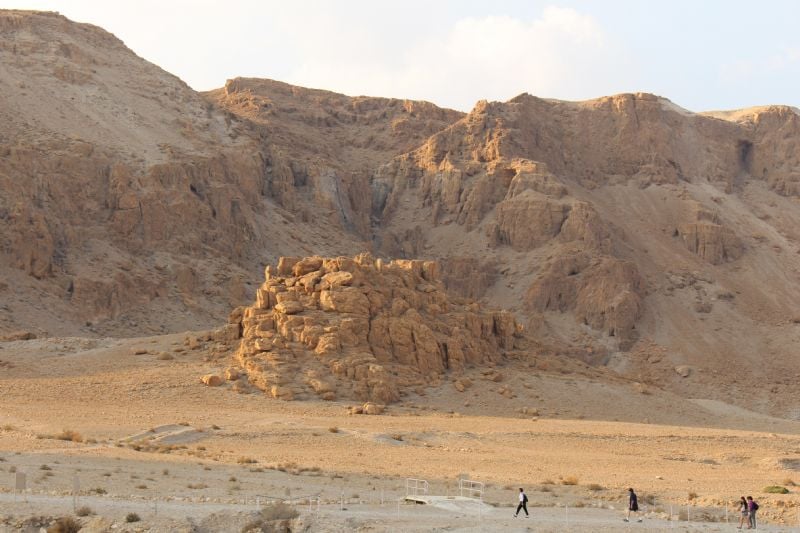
362, 329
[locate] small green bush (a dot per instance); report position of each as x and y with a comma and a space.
776, 489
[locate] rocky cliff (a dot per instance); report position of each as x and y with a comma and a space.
624, 230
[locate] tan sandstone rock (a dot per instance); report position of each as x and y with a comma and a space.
362, 328
211, 380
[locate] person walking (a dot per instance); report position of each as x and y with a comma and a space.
523, 503
744, 510
633, 505
752, 507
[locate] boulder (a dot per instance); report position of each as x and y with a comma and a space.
211, 380
289, 307
370, 408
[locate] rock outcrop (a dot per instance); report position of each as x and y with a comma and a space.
604, 293
362, 328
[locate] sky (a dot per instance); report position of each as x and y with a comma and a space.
702, 55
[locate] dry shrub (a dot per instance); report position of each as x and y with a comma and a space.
196, 486
594, 487
548, 482
70, 435
132, 517
84, 511
692, 496
65, 524
269, 518
776, 489
246, 461
164, 356
333, 429
569, 480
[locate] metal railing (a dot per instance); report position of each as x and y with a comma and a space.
416, 487
473, 489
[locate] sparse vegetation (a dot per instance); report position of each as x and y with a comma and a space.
692, 496
141, 487
69, 435
594, 487
132, 517
165, 472
333, 429
45, 467
569, 480
195, 486
776, 489
268, 515
98, 490
548, 482
65, 524
84, 511
246, 461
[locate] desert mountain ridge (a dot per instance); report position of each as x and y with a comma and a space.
623, 231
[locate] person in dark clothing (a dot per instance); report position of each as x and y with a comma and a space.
523, 503
752, 507
633, 505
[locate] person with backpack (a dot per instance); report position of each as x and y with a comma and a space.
633, 505
523, 503
744, 509
752, 507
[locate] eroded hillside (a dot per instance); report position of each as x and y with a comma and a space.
624, 231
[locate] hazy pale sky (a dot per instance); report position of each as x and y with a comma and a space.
702, 55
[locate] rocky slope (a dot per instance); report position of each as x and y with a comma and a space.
133, 204
624, 231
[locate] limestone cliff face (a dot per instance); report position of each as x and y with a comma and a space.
364, 329
132, 204
115, 172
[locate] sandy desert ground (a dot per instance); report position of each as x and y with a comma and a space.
185, 457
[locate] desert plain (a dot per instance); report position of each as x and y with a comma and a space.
150, 439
